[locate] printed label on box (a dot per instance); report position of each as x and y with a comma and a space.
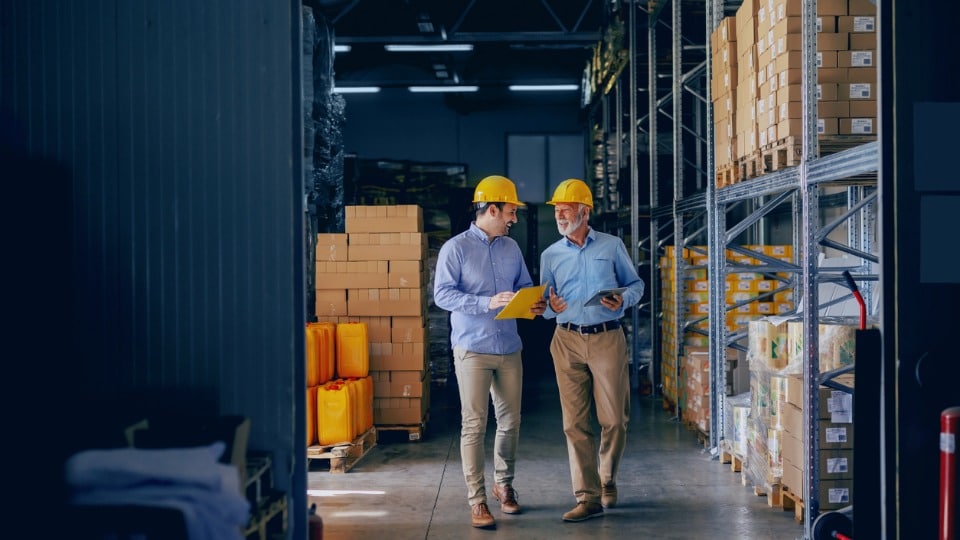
861, 58
836, 435
836, 465
863, 24
861, 125
838, 495
860, 91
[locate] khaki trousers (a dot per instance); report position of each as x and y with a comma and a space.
592, 373
482, 378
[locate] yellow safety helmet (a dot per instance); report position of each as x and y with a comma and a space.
572, 190
494, 189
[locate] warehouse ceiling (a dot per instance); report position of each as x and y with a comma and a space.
514, 41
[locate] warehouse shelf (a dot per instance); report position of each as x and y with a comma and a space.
688, 211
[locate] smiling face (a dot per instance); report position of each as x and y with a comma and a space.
496, 221
570, 217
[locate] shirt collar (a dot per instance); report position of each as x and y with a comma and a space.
478, 232
591, 235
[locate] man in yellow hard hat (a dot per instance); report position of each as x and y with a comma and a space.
478, 273
589, 347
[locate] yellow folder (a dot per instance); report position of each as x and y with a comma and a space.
519, 307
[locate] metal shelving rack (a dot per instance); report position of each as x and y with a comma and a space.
797, 186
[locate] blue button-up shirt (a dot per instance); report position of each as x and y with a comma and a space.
577, 273
470, 270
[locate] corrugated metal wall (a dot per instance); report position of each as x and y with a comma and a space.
179, 124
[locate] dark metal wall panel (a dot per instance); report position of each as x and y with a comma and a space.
176, 120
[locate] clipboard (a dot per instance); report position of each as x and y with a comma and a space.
595, 299
519, 307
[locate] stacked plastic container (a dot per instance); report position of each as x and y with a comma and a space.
339, 387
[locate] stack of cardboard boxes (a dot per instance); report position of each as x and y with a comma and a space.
376, 273
764, 85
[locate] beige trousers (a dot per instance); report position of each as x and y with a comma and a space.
592, 375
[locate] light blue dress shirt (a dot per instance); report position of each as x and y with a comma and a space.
470, 270
577, 273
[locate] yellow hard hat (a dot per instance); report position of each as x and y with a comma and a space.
572, 190
494, 189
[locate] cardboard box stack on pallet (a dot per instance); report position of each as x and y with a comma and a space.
376, 273
774, 460
754, 295
767, 99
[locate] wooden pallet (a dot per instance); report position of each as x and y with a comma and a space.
413, 432
774, 495
782, 154
728, 175
751, 165
792, 501
343, 456
735, 461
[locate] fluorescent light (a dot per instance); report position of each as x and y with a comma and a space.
442, 47
443, 88
356, 89
342, 48
543, 87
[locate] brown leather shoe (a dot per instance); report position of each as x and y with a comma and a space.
507, 496
584, 510
608, 496
480, 516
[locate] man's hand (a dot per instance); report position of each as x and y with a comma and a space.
557, 303
501, 299
539, 306
612, 302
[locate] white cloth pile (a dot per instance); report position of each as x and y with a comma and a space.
191, 480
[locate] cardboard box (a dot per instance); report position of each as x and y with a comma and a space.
345, 274
831, 7
857, 91
395, 218
406, 275
863, 41
857, 58
331, 247
399, 246
838, 41
835, 436
832, 75
792, 419
399, 356
793, 478
380, 302
863, 109
835, 494
833, 109
856, 23
331, 302
827, 24
410, 384
861, 74
862, 7
827, 91
827, 59
411, 334
827, 126
400, 411
836, 464
858, 126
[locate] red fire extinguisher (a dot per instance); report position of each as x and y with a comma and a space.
949, 427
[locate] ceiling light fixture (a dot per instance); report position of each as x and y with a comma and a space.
543, 87
443, 88
341, 48
356, 89
443, 47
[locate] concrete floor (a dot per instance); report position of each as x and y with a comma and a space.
670, 488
